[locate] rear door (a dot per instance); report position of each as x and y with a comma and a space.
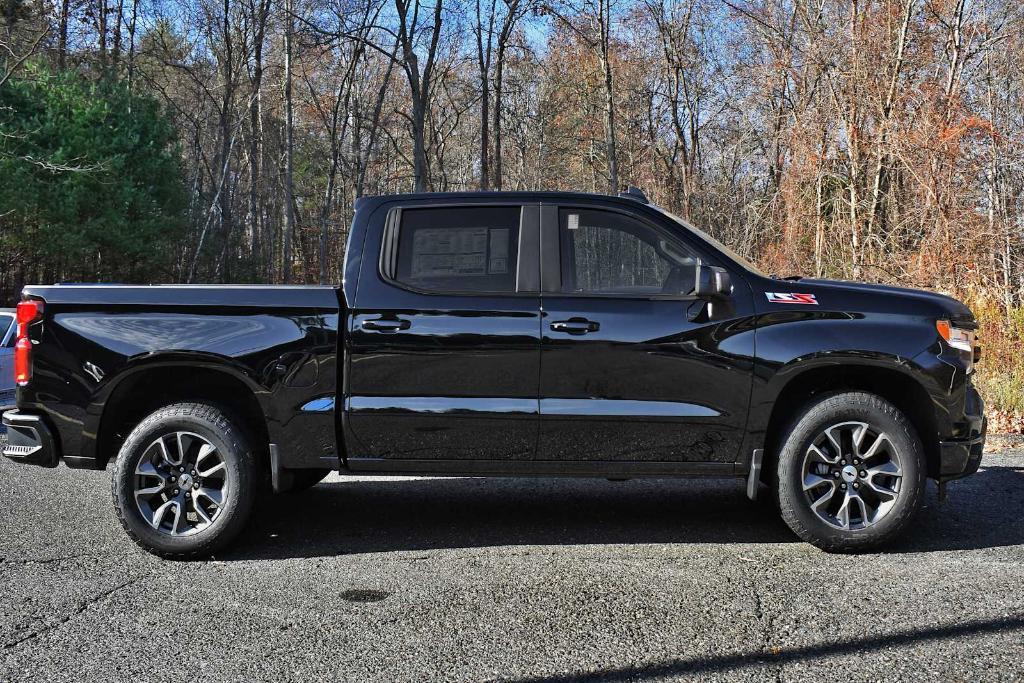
443, 340
634, 367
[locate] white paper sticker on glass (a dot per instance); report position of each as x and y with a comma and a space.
443, 252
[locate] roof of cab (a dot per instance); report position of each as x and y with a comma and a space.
630, 197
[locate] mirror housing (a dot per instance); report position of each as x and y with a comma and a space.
713, 282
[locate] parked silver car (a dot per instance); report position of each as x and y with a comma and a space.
7, 339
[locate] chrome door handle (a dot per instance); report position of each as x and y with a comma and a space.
386, 324
575, 326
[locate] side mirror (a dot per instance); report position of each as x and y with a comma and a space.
713, 282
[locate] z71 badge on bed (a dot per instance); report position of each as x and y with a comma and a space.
791, 298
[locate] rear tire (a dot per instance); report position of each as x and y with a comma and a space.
184, 481
851, 472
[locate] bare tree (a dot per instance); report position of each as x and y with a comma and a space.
591, 21
411, 28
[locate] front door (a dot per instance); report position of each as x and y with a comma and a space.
633, 366
443, 340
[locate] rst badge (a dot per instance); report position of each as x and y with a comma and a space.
791, 298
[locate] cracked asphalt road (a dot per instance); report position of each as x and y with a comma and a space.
523, 580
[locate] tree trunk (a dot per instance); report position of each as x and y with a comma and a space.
605, 27
499, 72
371, 138
289, 147
62, 36
259, 241
499, 68
101, 29
609, 127
419, 83
483, 55
131, 43
116, 51
419, 148
485, 143
226, 218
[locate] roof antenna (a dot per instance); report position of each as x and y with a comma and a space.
634, 193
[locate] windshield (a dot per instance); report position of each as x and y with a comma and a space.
742, 260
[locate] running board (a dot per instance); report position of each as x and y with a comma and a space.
539, 468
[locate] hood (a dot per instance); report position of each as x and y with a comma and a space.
843, 294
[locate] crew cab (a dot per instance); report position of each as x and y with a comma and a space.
503, 334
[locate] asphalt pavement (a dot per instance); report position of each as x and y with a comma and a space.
541, 580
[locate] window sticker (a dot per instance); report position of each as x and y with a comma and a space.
574, 221
443, 252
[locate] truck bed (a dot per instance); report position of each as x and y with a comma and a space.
104, 354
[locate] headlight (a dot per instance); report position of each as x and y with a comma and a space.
959, 338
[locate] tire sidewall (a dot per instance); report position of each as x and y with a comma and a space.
232, 450
831, 410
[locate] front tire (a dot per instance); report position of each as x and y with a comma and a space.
851, 472
184, 481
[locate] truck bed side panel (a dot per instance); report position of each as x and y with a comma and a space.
280, 342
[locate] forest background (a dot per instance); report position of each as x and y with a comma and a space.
226, 140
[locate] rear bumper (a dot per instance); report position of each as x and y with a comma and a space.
29, 440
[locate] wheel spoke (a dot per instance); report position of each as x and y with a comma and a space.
205, 450
887, 489
182, 450
833, 435
880, 441
825, 499
813, 481
215, 496
166, 454
158, 515
888, 468
219, 467
857, 432
177, 528
820, 456
200, 511
858, 501
147, 469
882, 491
149, 491
843, 513
880, 511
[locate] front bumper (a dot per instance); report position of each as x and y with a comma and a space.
29, 440
961, 457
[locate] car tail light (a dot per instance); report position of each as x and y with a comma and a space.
28, 312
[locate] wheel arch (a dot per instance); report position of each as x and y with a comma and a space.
896, 386
127, 402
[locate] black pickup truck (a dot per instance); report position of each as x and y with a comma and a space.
503, 334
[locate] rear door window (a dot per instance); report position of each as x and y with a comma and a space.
458, 249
